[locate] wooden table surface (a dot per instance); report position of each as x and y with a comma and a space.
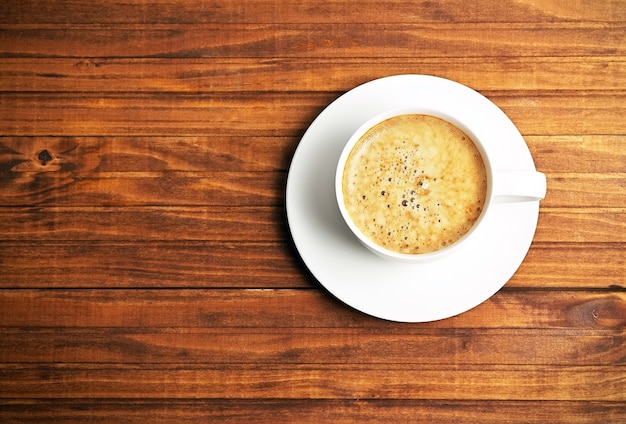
147, 272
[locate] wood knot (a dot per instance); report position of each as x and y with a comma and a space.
44, 157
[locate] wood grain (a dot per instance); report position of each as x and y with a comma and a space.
321, 346
312, 382
146, 155
573, 265
254, 223
147, 272
236, 308
152, 264
577, 225
308, 11
217, 223
111, 75
253, 265
272, 114
147, 171
592, 154
239, 189
316, 40
312, 411
147, 189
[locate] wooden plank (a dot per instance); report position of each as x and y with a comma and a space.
471, 383
238, 189
244, 223
239, 223
314, 411
154, 264
600, 154
317, 40
207, 114
582, 226
273, 114
550, 114
145, 189
586, 190
86, 155
582, 154
310, 11
102, 75
237, 308
322, 346
199, 264
575, 265
159, 223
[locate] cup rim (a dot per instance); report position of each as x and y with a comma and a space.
347, 149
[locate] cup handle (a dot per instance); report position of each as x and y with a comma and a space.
518, 186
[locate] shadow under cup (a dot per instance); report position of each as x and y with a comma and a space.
502, 186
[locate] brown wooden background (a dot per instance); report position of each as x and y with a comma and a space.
146, 268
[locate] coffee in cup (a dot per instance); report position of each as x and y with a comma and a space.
414, 184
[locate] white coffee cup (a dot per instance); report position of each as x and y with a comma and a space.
503, 185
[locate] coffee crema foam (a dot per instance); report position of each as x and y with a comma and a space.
414, 184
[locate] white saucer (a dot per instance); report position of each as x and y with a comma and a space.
391, 290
